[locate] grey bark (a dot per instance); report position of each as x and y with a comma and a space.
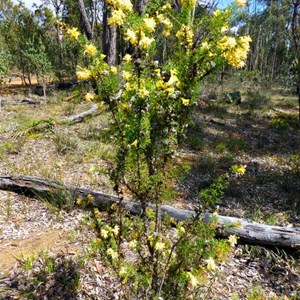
81, 116
246, 230
85, 20
141, 5
109, 38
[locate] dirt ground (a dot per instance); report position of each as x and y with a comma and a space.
34, 142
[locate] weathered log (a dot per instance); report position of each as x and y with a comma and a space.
246, 230
81, 116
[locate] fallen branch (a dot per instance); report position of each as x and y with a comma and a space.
248, 231
81, 116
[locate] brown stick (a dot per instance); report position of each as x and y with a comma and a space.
248, 231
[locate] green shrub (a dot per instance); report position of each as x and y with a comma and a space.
255, 100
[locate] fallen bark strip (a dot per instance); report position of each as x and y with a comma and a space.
81, 116
248, 231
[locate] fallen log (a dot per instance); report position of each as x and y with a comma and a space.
246, 230
81, 116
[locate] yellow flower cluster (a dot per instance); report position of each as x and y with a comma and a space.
185, 102
227, 42
193, 280
89, 97
145, 41
73, 32
159, 246
150, 24
241, 3
166, 22
170, 85
210, 264
235, 50
90, 50
126, 75
118, 13
113, 254
232, 240
83, 74
143, 92
185, 36
105, 232
188, 3
124, 5
133, 244
117, 18
127, 58
132, 37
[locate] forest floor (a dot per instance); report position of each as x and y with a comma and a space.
46, 253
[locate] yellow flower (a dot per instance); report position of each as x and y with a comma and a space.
90, 50
224, 28
193, 280
113, 69
117, 18
127, 58
133, 244
173, 79
128, 87
227, 43
145, 42
185, 102
167, 24
180, 231
144, 92
126, 75
150, 24
210, 264
83, 74
89, 97
157, 72
185, 35
150, 238
73, 32
205, 45
104, 233
130, 36
102, 56
115, 230
232, 240
166, 32
123, 271
112, 253
134, 144
167, 6
188, 3
125, 5
217, 12
159, 246
79, 201
239, 169
241, 3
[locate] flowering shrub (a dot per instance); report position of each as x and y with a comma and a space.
150, 94
175, 263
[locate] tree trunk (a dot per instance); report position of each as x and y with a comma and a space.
141, 5
296, 43
109, 38
85, 20
246, 230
